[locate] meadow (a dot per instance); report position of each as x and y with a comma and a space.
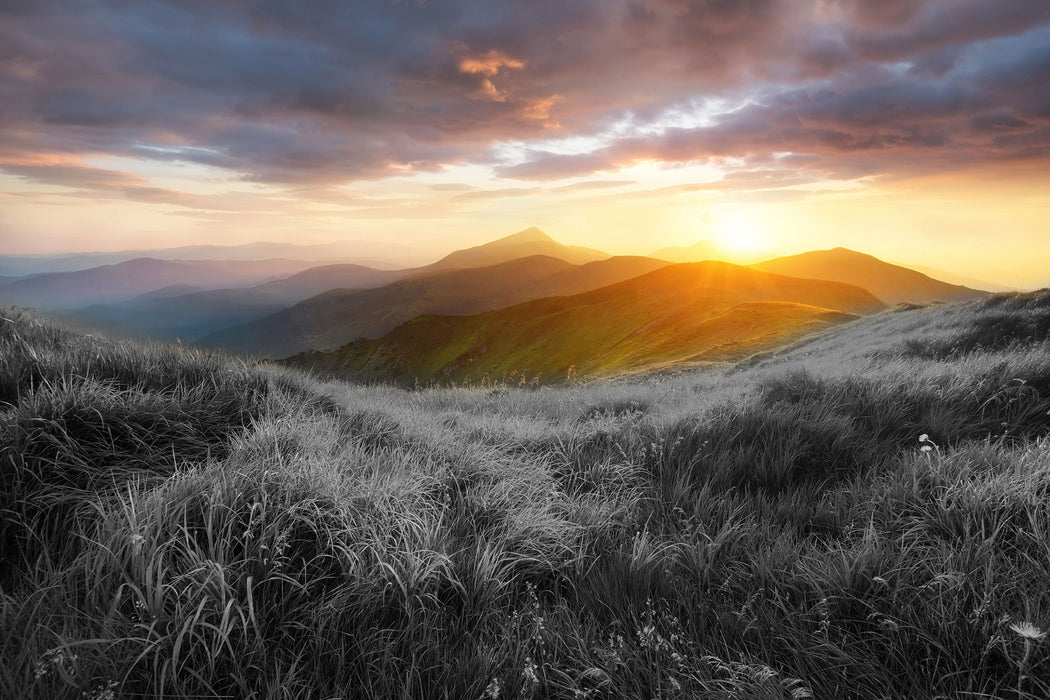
863, 515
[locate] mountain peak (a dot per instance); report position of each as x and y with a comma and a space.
531, 241
529, 235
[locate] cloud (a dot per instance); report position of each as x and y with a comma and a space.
869, 122
593, 185
490, 63
481, 195
329, 92
90, 181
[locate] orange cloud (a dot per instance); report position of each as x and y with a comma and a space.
540, 109
489, 63
492, 92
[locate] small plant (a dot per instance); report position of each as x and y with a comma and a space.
58, 660
1031, 636
928, 445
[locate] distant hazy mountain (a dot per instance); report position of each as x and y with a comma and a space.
111, 283
698, 252
953, 278
361, 253
174, 290
531, 241
190, 316
707, 311
707, 250
890, 283
165, 314
337, 317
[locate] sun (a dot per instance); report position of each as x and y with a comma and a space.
739, 231
740, 241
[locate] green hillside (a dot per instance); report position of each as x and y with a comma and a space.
711, 311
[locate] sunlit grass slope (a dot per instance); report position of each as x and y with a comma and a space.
710, 311
178, 525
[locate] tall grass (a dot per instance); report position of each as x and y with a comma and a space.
177, 524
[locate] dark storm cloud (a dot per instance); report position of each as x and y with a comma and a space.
327, 91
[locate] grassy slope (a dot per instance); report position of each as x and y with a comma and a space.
179, 524
711, 311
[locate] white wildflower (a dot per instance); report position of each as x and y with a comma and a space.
1027, 630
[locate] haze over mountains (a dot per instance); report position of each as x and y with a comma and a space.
191, 315
524, 301
126, 280
361, 253
710, 311
339, 316
196, 314
891, 283
708, 250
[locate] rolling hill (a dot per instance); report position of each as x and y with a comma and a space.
190, 316
126, 280
890, 283
691, 312
339, 316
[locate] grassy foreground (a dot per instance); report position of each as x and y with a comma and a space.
865, 516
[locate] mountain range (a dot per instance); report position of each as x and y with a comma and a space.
127, 280
362, 253
689, 312
339, 316
524, 301
167, 314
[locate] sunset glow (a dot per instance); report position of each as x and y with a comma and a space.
739, 231
915, 131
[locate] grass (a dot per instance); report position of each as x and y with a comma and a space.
177, 524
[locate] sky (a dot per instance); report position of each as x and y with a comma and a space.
914, 130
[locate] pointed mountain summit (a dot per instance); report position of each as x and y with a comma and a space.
531, 241
530, 235
890, 283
